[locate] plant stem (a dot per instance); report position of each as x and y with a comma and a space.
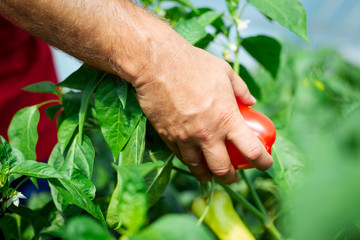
203, 215
254, 193
273, 231
238, 40
182, 171
268, 224
237, 196
3, 209
22, 181
50, 101
244, 202
237, 55
243, 9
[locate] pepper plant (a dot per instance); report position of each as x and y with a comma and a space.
101, 128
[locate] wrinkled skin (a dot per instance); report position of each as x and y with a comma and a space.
193, 107
186, 93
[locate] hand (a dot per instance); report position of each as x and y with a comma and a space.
190, 98
186, 93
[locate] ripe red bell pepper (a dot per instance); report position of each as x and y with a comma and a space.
264, 129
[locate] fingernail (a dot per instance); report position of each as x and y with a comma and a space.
253, 99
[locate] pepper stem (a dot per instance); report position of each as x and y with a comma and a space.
254, 194
203, 215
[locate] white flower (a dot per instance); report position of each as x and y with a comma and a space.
242, 24
232, 47
15, 199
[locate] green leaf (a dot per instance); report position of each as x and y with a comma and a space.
80, 156
84, 228
83, 183
35, 169
289, 13
72, 192
121, 88
52, 111
232, 6
71, 103
22, 131
250, 82
85, 100
42, 87
203, 43
157, 180
56, 160
288, 166
80, 79
117, 124
174, 227
187, 3
39, 201
208, 17
221, 27
265, 50
329, 195
75, 190
127, 208
9, 227
191, 30
62, 204
9, 156
36, 219
70, 170
175, 14
66, 131
133, 151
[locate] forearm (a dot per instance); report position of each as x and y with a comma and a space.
114, 35
185, 92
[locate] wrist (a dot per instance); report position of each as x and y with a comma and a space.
162, 57
151, 45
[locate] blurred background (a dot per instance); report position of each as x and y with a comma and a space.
330, 24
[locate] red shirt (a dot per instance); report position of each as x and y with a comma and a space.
25, 60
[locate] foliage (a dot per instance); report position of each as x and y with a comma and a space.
112, 176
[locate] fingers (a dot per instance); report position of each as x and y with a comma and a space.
192, 157
173, 148
241, 90
250, 146
219, 163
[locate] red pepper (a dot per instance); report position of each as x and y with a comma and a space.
264, 129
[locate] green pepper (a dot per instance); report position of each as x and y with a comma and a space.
222, 217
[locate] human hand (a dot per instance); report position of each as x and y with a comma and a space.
190, 97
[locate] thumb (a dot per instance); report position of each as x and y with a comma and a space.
241, 91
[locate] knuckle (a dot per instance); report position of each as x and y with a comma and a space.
179, 135
203, 134
227, 117
227, 67
183, 137
254, 152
